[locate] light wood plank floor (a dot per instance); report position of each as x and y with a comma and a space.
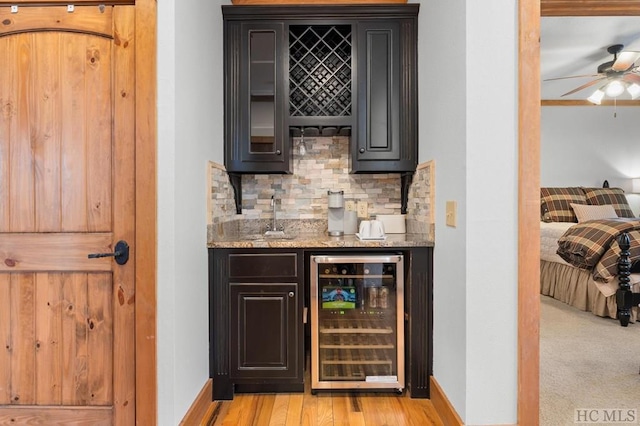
324, 408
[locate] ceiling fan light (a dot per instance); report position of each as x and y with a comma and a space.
596, 97
615, 89
634, 90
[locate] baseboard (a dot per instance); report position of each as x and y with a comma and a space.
199, 407
443, 406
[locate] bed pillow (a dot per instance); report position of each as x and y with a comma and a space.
556, 203
613, 196
585, 212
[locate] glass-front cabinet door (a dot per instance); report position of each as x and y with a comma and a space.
256, 59
262, 91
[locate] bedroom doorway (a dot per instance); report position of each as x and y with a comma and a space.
530, 12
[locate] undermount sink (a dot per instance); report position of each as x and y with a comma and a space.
270, 236
274, 234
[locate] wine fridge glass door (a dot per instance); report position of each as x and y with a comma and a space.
357, 322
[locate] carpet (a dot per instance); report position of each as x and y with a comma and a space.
586, 362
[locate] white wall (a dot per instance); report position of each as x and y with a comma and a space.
583, 146
190, 124
442, 137
468, 125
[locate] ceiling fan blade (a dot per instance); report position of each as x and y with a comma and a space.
631, 78
584, 86
572, 76
625, 60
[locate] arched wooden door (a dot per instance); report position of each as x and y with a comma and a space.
67, 163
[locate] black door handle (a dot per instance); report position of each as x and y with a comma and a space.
121, 254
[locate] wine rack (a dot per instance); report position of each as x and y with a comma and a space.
320, 70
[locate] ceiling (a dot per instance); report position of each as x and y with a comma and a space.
576, 46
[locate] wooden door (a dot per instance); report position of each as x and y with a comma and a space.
67, 116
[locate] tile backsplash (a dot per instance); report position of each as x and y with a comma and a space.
303, 194
221, 206
420, 214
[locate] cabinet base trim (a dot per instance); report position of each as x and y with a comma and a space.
268, 387
222, 388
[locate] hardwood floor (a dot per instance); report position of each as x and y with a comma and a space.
325, 408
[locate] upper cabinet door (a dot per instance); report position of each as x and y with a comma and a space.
385, 138
255, 123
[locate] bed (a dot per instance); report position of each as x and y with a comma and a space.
590, 244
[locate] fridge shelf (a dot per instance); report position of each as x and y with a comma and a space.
383, 277
333, 356
346, 373
387, 362
351, 362
358, 341
354, 366
350, 377
347, 346
353, 327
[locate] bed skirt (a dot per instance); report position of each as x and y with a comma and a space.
576, 287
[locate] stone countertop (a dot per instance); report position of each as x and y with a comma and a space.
314, 240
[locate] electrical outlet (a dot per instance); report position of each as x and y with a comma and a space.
363, 209
350, 206
451, 214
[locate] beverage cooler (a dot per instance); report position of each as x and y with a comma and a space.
357, 322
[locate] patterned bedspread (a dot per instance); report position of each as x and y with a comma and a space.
593, 245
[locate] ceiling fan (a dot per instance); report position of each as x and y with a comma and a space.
614, 76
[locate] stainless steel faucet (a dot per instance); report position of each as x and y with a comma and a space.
273, 205
274, 228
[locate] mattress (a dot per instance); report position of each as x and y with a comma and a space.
572, 285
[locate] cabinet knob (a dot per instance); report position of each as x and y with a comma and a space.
291, 294
361, 150
278, 152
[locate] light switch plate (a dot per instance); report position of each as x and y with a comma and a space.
451, 213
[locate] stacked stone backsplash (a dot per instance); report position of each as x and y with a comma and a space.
420, 217
221, 206
303, 194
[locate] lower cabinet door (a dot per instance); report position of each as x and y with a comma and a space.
264, 333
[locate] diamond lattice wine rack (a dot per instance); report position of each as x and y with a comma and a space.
320, 70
